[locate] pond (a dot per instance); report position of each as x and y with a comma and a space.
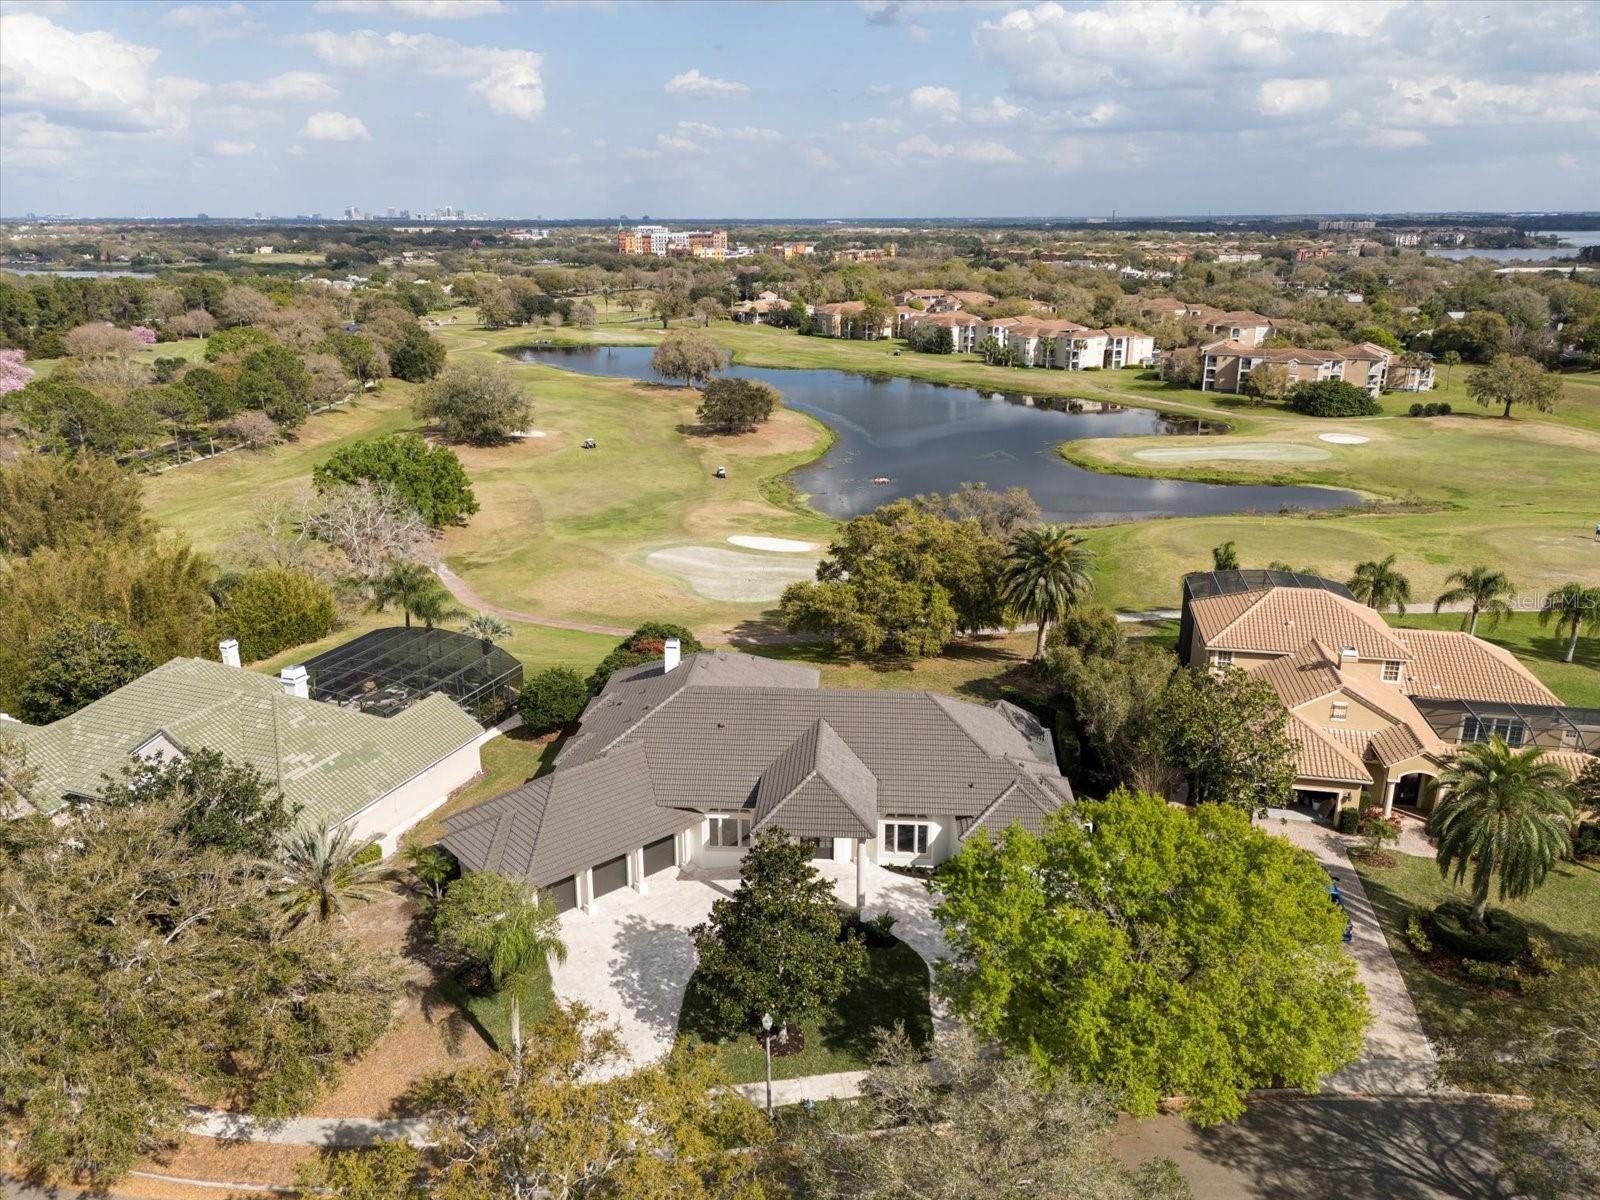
1574, 240
928, 437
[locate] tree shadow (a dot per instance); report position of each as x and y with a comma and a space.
1349, 1149
893, 991
653, 962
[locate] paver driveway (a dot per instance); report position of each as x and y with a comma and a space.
631, 957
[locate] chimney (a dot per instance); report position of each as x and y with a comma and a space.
295, 681
674, 655
230, 652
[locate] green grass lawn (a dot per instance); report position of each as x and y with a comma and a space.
490, 1014
895, 989
1539, 649
1565, 912
508, 761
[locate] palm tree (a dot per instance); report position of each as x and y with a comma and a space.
488, 629
433, 866
1572, 604
505, 924
1225, 557
417, 591
1485, 589
1378, 585
1505, 813
1449, 358
1046, 572
323, 869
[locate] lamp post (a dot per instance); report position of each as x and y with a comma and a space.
766, 1030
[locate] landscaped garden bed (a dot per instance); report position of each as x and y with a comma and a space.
893, 991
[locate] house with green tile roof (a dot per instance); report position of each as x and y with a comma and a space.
379, 775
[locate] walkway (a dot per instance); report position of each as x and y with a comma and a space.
1398, 1058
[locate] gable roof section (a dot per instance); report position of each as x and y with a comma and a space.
1319, 756
1453, 665
1280, 620
1308, 674
1024, 803
818, 788
331, 761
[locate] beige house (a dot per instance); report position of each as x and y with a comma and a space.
963, 326
1375, 712
1129, 348
1228, 364
844, 320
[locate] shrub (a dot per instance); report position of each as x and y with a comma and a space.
1332, 398
255, 430
272, 610
931, 339
371, 853
1417, 409
1586, 842
1504, 940
644, 644
1430, 410
1491, 974
1417, 936
552, 699
1544, 958
1444, 408
1349, 820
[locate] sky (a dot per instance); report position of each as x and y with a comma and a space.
878, 108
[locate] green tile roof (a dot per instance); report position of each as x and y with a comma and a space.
331, 761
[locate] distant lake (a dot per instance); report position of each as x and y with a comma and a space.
108, 274
928, 437
1579, 238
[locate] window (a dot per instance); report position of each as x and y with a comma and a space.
1391, 672
729, 832
1481, 729
1222, 658
1341, 710
905, 837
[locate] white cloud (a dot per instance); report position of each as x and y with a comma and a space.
416, 10
303, 86
1291, 97
817, 159
692, 83
640, 155
1396, 139
742, 133
510, 81
334, 127
923, 146
1452, 100
227, 149
29, 140
680, 145
941, 101
873, 125
989, 153
213, 22
91, 80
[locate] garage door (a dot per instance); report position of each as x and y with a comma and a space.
610, 876
565, 893
660, 855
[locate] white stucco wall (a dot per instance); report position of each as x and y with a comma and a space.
388, 817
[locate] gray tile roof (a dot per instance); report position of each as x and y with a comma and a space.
331, 761
709, 735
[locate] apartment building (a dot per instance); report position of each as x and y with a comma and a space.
963, 326
759, 310
844, 320
856, 254
663, 242
1129, 348
789, 250
937, 300
1229, 363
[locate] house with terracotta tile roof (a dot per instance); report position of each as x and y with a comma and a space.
963, 326
1375, 712
844, 320
1227, 364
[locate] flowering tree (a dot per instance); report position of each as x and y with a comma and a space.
13, 375
144, 333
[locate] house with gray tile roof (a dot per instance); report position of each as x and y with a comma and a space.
679, 763
379, 775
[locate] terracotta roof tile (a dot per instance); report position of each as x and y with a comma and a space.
1452, 665
1282, 620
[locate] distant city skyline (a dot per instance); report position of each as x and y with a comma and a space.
561, 111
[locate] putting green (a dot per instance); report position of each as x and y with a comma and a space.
1221, 451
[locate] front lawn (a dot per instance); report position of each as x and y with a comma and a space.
1565, 913
894, 989
490, 1013
509, 761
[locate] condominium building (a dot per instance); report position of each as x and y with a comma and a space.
1129, 348
661, 241
1229, 363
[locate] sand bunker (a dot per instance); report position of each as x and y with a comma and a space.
1237, 451
1343, 439
776, 545
521, 433
720, 574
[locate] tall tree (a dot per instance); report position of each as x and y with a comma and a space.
970, 1124
737, 405
1378, 585
217, 803
323, 871
417, 591
57, 500
430, 478
1226, 733
1152, 951
669, 304
1046, 573
1504, 815
1573, 606
478, 402
688, 357
74, 663
1509, 380
508, 927
777, 944
1484, 588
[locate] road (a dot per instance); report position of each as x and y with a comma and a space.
1331, 1149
